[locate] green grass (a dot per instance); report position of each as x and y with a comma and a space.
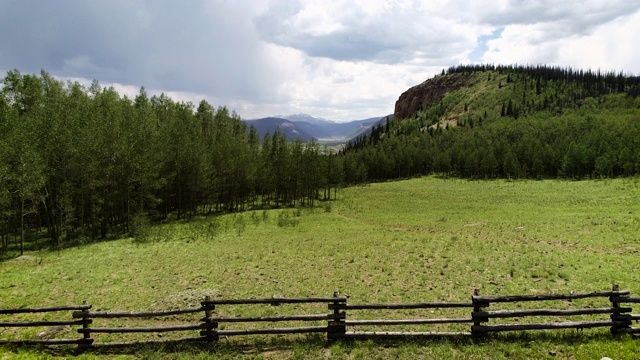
425, 239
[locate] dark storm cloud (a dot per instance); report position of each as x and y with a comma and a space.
193, 46
343, 45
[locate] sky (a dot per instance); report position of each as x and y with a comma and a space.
340, 60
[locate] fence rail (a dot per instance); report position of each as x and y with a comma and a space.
546, 312
113, 315
407, 322
44, 309
519, 298
274, 301
578, 325
336, 321
438, 305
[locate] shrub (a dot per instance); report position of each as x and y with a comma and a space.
140, 228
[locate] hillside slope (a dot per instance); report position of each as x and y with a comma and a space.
486, 121
508, 91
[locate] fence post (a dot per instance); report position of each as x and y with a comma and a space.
86, 335
617, 316
209, 333
337, 327
476, 315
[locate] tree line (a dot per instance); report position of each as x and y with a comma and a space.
572, 146
81, 163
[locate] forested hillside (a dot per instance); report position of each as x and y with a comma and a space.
78, 164
503, 121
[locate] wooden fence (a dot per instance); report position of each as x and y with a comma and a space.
48, 323
619, 320
334, 322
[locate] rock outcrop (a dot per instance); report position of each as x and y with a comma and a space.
424, 95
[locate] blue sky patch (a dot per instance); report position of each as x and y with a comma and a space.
476, 55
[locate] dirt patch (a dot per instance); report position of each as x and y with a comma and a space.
476, 224
25, 258
451, 123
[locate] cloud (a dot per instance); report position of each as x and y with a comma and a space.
195, 46
591, 35
336, 59
381, 32
576, 17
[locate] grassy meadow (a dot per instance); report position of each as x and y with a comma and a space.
426, 239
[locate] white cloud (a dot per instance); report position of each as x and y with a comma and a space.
608, 43
610, 47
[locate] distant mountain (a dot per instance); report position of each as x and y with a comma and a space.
290, 129
304, 118
369, 128
307, 127
327, 131
366, 125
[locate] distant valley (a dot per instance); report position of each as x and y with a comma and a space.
307, 128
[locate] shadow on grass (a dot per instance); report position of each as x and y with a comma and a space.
41, 244
313, 343
171, 349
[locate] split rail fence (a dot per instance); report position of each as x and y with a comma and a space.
615, 314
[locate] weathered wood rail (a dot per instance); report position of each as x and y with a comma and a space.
618, 321
333, 319
386, 323
47, 323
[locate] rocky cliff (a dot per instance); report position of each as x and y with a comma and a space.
429, 92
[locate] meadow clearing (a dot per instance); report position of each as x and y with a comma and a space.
426, 239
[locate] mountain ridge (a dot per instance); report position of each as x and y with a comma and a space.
308, 127
288, 128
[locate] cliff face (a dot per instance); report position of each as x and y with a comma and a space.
424, 95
